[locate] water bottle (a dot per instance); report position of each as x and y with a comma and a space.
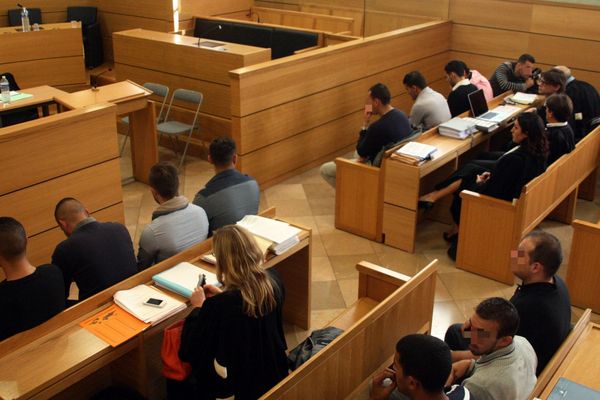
25, 19
4, 90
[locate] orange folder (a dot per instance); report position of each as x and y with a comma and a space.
114, 325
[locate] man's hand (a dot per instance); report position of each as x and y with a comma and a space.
459, 369
481, 179
367, 115
529, 82
379, 391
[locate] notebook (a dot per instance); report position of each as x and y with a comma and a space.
479, 108
132, 301
282, 235
416, 150
183, 278
569, 390
523, 98
457, 128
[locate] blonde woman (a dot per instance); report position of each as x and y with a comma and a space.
234, 336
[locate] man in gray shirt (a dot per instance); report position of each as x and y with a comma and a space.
430, 108
229, 195
505, 368
176, 223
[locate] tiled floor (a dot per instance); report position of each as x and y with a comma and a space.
307, 200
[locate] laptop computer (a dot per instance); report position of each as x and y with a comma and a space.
479, 109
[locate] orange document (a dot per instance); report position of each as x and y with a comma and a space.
114, 325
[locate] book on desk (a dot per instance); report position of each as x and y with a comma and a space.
183, 278
278, 235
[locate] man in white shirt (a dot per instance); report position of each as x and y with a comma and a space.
176, 223
430, 108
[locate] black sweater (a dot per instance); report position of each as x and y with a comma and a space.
561, 140
392, 127
545, 317
252, 349
29, 301
458, 99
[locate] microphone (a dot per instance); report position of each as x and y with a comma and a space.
94, 79
213, 28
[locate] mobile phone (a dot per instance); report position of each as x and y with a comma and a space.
201, 281
155, 302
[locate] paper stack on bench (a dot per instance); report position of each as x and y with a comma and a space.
183, 278
132, 301
280, 235
523, 98
457, 128
414, 153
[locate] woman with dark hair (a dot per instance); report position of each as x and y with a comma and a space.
505, 180
234, 337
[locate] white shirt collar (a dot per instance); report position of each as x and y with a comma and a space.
555, 124
461, 83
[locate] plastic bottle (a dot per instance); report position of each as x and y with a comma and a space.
25, 20
4, 90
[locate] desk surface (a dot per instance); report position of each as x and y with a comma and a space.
43, 27
581, 364
56, 352
114, 93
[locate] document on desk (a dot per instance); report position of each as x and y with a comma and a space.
114, 325
566, 389
132, 301
282, 235
416, 150
16, 96
523, 98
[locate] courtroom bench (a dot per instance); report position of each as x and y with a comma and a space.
389, 306
583, 274
490, 228
554, 365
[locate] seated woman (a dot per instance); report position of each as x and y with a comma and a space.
234, 336
505, 180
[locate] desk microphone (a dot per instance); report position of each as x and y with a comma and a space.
94, 79
219, 27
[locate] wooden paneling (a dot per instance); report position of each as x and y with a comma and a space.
211, 7
394, 228
305, 20
92, 130
155, 9
583, 276
40, 247
53, 71
258, 88
96, 187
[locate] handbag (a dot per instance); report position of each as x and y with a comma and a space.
173, 367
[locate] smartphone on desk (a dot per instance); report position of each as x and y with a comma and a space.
152, 302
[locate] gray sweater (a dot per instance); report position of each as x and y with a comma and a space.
508, 373
430, 109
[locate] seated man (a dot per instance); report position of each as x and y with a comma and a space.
458, 99
176, 224
542, 300
430, 108
421, 368
480, 82
561, 138
29, 295
391, 127
550, 82
515, 76
586, 104
229, 195
506, 365
95, 255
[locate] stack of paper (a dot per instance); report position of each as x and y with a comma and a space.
484, 126
417, 151
523, 98
457, 128
16, 96
281, 235
132, 301
183, 278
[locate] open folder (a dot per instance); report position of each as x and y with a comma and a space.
114, 325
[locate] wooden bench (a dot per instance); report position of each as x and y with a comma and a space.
561, 354
583, 274
389, 306
490, 228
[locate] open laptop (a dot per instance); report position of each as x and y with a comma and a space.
479, 109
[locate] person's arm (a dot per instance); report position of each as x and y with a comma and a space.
59, 259
501, 182
199, 336
148, 249
417, 116
501, 76
380, 391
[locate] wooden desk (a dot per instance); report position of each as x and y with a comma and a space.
51, 56
581, 364
48, 359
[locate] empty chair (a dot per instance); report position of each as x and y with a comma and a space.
174, 128
90, 29
157, 89
14, 16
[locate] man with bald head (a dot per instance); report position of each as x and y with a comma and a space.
586, 104
95, 254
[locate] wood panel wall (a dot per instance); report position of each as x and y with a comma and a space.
294, 113
488, 32
72, 154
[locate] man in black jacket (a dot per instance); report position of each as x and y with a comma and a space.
542, 299
458, 99
95, 255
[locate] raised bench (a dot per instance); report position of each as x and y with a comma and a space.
389, 306
490, 228
583, 274
556, 362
